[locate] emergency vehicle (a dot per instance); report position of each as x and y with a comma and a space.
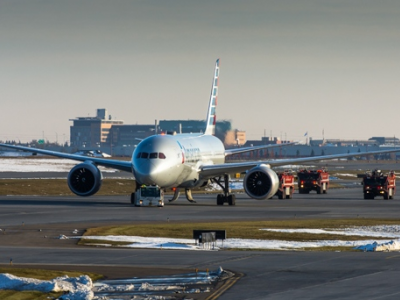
286, 185
150, 195
313, 180
376, 183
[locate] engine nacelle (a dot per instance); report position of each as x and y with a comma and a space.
85, 179
261, 182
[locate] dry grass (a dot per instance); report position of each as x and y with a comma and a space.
44, 187
46, 274
247, 230
27, 295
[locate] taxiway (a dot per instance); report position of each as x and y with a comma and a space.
33, 223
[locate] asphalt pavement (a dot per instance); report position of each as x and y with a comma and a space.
32, 225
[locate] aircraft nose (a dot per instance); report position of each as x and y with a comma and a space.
144, 171
152, 173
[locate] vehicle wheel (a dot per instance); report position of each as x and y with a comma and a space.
280, 195
366, 196
220, 199
391, 193
133, 198
319, 189
386, 196
301, 191
232, 200
325, 191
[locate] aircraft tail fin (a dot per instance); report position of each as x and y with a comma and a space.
211, 116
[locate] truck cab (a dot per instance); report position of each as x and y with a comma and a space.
376, 183
313, 180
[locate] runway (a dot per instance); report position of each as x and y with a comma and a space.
32, 223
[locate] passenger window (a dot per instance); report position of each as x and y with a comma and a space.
145, 155
161, 155
139, 154
153, 155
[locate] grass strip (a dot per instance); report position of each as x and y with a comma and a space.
244, 230
59, 187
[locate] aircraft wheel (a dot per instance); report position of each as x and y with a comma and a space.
220, 199
232, 200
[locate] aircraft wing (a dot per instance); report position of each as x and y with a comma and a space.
248, 149
109, 163
209, 171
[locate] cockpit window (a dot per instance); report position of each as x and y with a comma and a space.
152, 155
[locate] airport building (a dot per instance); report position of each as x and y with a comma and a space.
374, 141
116, 138
92, 132
130, 135
102, 131
380, 140
223, 130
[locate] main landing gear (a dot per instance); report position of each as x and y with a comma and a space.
188, 194
226, 197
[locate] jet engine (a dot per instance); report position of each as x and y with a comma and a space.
85, 179
261, 182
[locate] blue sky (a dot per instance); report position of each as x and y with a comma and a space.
287, 67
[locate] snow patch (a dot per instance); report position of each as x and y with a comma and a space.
40, 165
78, 288
384, 232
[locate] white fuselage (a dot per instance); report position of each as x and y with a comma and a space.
174, 160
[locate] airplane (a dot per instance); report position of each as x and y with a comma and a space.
186, 161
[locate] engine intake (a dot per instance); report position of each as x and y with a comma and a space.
261, 182
85, 179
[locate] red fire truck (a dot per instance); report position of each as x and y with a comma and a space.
376, 183
286, 185
313, 180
